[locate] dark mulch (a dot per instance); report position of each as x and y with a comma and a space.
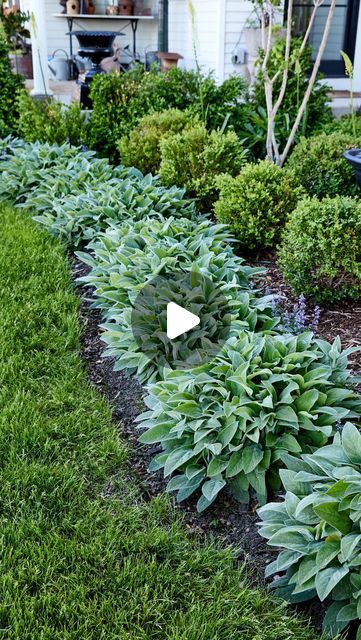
338, 319
227, 521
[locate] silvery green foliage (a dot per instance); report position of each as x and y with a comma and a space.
77, 195
231, 421
92, 208
32, 164
7, 145
125, 258
318, 528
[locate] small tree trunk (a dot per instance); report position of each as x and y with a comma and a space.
311, 83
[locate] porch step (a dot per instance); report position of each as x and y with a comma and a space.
340, 102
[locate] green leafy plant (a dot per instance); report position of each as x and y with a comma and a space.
56, 169
82, 215
76, 195
125, 258
320, 251
193, 159
50, 121
350, 73
10, 84
317, 526
347, 125
141, 148
231, 421
121, 100
257, 203
317, 111
319, 166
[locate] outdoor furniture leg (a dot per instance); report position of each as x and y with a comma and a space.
134, 26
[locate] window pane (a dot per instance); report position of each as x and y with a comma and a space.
335, 43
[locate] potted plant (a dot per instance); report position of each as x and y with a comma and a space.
14, 22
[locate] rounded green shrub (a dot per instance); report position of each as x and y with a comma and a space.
257, 202
50, 121
349, 125
229, 422
10, 85
318, 528
193, 159
320, 254
141, 148
318, 164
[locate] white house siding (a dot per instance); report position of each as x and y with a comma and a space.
207, 35
236, 14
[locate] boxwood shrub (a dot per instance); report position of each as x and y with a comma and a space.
319, 165
318, 527
193, 159
257, 202
320, 254
141, 148
230, 422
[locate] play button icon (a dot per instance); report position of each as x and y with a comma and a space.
179, 320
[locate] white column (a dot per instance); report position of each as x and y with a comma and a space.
39, 48
221, 37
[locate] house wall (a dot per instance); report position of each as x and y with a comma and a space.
183, 37
236, 15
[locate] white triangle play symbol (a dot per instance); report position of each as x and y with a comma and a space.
179, 320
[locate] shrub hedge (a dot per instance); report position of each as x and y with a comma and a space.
141, 148
317, 163
10, 85
193, 160
320, 254
257, 203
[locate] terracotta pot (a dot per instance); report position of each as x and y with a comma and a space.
72, 7
91, 8
168, 59
125, 7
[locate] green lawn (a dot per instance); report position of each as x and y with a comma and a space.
76, 563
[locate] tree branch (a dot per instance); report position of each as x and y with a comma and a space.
310, 83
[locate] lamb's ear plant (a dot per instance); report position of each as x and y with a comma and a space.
85, 213
76, 195
125, 258
231, 422
318, 528
29, 165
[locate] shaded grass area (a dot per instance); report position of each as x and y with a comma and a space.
77, 563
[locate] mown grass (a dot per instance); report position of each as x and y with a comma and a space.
77, 563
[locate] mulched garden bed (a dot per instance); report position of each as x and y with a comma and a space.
227, 521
